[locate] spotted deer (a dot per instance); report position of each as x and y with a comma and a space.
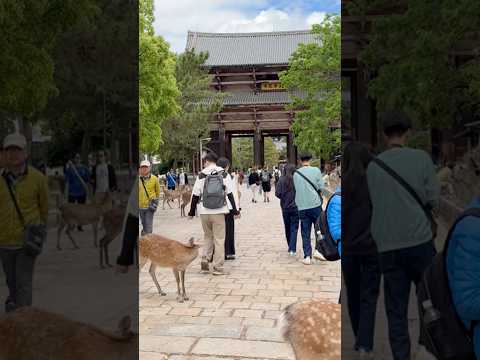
313, 328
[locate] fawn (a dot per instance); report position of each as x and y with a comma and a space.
163, 252
313, 328
186, 198
30, 334
171, 195
112, 223
81, 214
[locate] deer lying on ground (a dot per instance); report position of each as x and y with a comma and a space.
313, 328
186, 198
112, 223
31, 334
72, 215
171, 195
163, 252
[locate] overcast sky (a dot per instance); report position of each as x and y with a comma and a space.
173, 18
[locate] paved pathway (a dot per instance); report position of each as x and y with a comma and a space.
234, 316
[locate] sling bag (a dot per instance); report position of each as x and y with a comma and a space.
152, 204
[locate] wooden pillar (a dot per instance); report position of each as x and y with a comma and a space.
221, 142
257, 147
366, 130
228, 147
291, 149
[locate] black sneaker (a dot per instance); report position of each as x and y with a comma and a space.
204, 265
230, 257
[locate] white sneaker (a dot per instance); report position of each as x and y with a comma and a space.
291, 253
307, 261
318, 255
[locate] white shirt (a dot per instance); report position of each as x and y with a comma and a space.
102, 178
234, 187
198, 190
182, 178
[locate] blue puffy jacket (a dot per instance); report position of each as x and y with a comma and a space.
334, 217
463, 266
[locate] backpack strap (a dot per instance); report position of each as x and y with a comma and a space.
337, 193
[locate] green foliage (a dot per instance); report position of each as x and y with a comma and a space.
315, 70
271, 154
158, 90
242, 152
411, 56
28, 33
181, 133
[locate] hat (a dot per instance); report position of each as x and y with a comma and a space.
395, 118
145, 163
17, 140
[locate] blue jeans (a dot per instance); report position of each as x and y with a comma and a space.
308, 218
146, 217
290, 220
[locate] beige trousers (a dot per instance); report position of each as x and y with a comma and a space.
214, 238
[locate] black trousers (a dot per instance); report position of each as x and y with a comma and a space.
82, 199
229, 234
361, 274
400, 269
129, 243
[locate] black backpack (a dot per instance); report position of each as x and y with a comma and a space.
325, 243
451, 340
214, 194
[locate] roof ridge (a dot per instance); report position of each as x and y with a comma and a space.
249, 34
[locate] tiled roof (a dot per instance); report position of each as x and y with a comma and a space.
233, 49
250, 98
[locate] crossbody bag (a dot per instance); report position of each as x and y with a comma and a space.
34, 235
152, 203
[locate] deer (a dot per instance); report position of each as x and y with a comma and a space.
30, 334
167, 253
313, 329
186, 197
171, 195
82, 214
112, 223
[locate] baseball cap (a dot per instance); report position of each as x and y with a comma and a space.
16, 139
395, 119
145, 163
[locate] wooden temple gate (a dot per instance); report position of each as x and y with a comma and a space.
246, 67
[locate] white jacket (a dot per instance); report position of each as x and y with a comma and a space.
198, 190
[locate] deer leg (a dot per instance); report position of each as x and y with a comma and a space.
168, 203
179, 293
182, 276
95, 234
101, 254
69, 234
61, 226
154, 278
107, 261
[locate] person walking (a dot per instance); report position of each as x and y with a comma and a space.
182, 179
148, 195
209, 198
253, 182
104, 179
230, 217
24, 213
361, 270
398, 180
285, 191
266, 177
171, 180
308, 185
77, 177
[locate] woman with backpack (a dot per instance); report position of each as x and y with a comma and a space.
285, 191
360, 264
266, 177
253, 182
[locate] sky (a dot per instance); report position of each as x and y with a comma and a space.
173, 18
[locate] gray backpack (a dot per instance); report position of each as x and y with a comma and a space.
214, 194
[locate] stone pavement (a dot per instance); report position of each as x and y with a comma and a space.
234, 316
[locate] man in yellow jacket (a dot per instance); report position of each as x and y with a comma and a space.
30, 189
148, 195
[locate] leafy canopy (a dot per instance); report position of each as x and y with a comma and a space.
314, 69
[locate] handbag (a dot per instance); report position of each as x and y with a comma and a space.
34, 235
427, 210
152, 204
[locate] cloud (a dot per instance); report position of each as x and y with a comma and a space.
174, 18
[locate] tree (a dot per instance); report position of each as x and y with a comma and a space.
197, 103
410, 57
271, 154
158, 90
242, 153
314, 70
28, 33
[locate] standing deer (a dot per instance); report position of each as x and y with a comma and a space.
112, 223
163, 252
313, 328
186, 198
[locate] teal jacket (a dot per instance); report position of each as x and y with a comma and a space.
305, 195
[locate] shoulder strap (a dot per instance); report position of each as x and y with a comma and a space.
14, 200
311, 183
145, 188
80, 178
405, 185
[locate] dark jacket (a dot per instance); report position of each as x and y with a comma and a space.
356, 214
112, 178
253, 178
286, 196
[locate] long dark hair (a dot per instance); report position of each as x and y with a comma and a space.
289, 171
356, 158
